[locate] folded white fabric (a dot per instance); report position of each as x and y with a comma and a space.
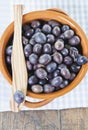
78, 10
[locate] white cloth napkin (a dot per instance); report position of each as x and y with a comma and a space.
78, 10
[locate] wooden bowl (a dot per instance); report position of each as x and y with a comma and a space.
61, 17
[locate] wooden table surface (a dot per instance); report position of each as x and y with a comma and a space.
70, 119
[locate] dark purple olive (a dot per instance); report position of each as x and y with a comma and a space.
27, 50
73, 75
56, 31
47, 48
56, 81
29, 33
37, 88
75, 68
33, 58
57, 57
48, 88
44, 59
46, 28
56, 73
37, 48
64, 51
41, 73
9, 50
18, 97
65, 28
61, 66
54, 23
24, 40
38, 66
65, 73
32, 41
81, 60
8, 59
50, 38
59, 44
39, 37
68, 60
62, 36
51, 67
35, 24
29, 65
42, 81
69, 34
75, 40
37, 30
32, 80
64, 84
74, 53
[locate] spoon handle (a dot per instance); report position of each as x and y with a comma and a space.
19, 70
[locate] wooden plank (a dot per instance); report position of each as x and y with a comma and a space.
33, 120
42, 120
74, 119
6, 121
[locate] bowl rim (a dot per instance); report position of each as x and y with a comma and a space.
46, 15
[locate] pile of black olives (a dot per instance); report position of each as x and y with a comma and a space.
53, 55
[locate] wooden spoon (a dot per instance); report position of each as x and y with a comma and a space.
19, 70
